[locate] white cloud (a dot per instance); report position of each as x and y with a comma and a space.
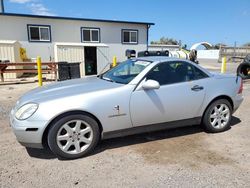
20, 1
35, 6
40, 9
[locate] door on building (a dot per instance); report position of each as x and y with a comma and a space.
90, 60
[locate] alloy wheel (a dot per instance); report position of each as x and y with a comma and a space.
219, 116
74, 136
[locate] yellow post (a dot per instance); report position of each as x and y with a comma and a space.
114, 61
224, 65
39, 70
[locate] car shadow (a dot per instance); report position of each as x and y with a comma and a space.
152, 136
44, 153
146, 137
130, 140
235, 121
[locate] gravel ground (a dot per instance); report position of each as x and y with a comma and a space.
184, 157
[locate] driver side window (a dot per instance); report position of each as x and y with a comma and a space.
173, 72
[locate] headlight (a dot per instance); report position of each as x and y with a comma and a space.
26, 111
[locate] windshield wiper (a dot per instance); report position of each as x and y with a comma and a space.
106, 78
119, 82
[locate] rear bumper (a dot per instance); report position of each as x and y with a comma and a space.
237, 101
28, 133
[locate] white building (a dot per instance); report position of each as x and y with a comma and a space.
207, 53
92, 42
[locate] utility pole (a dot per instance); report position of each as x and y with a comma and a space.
1, 6
180, 45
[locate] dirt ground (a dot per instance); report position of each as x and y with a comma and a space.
184, 157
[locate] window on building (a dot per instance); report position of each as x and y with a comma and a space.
90, 34
129, 36
39, 33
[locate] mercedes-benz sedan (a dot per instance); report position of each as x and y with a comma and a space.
138, 95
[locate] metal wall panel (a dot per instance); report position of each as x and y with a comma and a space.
71, 54
10, 51
76, 54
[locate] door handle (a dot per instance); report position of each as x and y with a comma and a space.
197, 88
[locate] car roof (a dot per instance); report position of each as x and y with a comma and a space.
169, 59
159, 58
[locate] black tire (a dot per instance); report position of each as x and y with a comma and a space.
158, 53
206, 117
146, 53
53, 131
243, 70
166, 53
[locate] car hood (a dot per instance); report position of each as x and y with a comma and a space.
67, 88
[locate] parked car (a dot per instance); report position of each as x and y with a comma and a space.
139, 95
243, 69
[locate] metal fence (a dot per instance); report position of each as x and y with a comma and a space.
234, 54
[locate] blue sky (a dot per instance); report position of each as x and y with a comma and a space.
191, 21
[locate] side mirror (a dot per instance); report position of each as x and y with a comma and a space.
150, 84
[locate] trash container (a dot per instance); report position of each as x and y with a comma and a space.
63, 71
74, 70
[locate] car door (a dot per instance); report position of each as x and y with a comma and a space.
179, 97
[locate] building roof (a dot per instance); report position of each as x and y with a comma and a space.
71, 18
163, 45
8, 41
80, 44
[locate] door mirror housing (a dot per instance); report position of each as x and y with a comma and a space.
150, 84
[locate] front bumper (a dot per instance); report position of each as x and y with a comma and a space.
28, 132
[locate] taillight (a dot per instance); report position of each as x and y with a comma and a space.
241, 86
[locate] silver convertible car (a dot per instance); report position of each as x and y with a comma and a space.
139, 95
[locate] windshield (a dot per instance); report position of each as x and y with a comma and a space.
125, 71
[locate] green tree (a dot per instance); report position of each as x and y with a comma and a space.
247, 44
218, 45
165, 40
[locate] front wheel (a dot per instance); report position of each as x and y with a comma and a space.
73, 136
217, 116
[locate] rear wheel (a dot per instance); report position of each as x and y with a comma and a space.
73, 136
218, 115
